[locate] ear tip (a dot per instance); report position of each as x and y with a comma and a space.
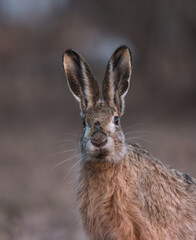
70, 56
65, 58
122, 48
125, 47
68, 53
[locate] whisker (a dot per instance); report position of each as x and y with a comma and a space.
135, 137
77, 163
134, 125
150, 132
140, 138
64, 161
69, 138
61, 145
65, 151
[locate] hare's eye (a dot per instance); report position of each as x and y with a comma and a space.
116, 120
83, 122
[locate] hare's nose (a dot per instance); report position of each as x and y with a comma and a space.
99, 139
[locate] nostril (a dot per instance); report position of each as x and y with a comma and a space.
95, 142
103, 142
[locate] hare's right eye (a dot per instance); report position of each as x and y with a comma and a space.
83, 122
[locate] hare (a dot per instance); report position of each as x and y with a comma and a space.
124, 193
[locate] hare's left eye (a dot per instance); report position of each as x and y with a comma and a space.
116, 120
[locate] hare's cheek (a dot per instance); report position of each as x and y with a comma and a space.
110, 144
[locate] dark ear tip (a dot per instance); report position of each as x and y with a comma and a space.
123, 48
70, 52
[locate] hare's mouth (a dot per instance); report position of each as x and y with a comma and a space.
99, 152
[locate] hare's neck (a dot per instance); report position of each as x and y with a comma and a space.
104, 176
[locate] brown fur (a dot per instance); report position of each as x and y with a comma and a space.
137, 199
123, 192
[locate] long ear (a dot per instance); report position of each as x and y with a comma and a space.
80, 79
117, 78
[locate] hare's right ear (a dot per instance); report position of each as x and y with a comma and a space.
80, 79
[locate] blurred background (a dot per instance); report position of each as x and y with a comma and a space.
39, 119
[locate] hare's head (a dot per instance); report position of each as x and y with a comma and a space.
103, 139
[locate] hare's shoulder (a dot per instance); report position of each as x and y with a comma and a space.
150, 162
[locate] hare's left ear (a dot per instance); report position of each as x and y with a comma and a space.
117, 78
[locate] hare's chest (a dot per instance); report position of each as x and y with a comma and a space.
105, 212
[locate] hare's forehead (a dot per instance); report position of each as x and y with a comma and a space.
100, 114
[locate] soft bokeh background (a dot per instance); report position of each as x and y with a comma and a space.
39, 118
